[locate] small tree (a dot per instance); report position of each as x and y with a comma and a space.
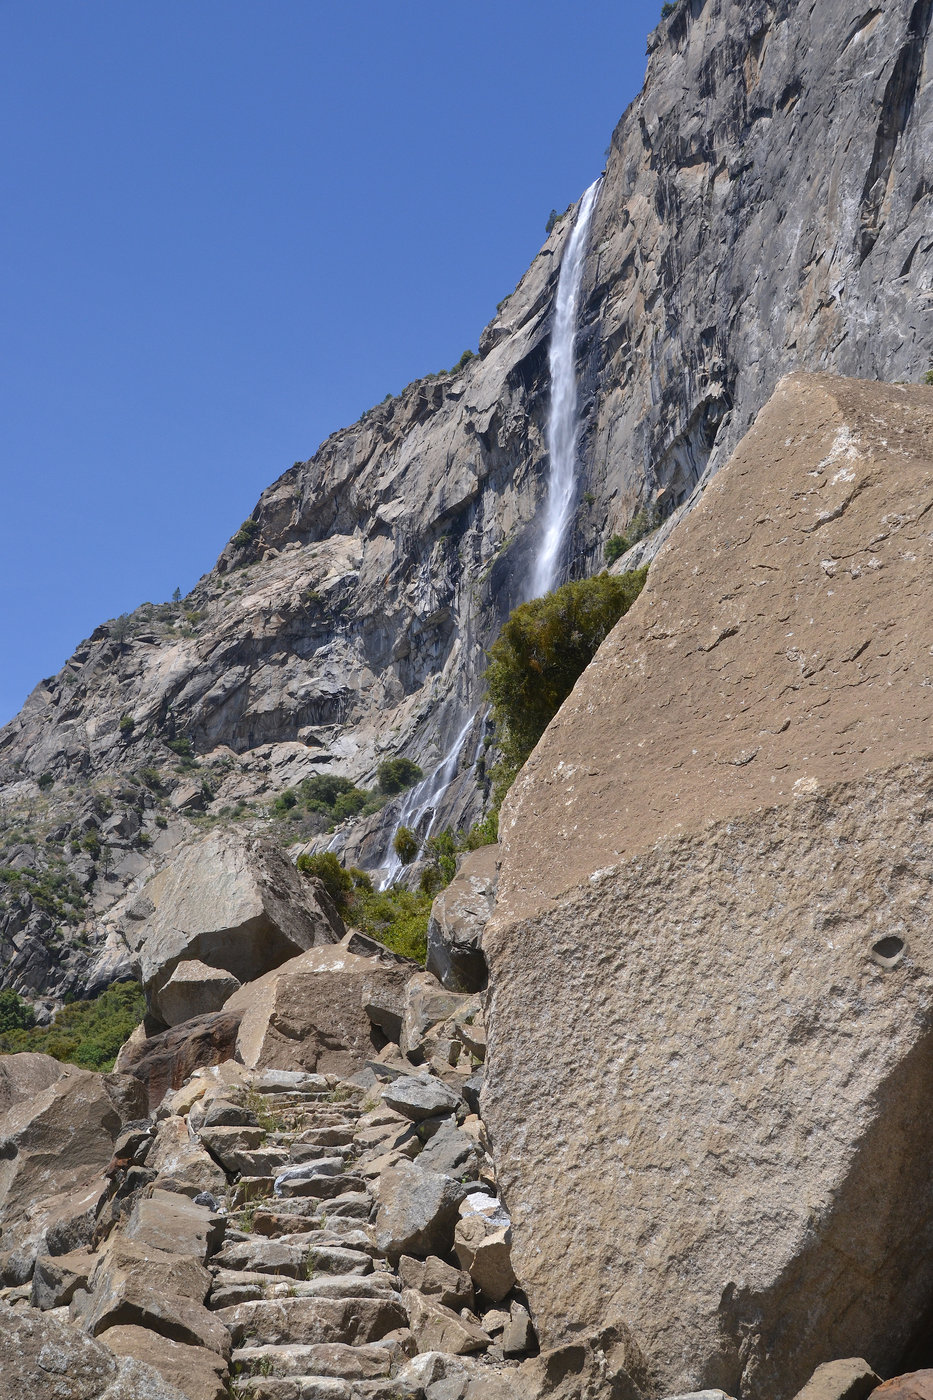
542, 650
337, 881
405, 845
397, 774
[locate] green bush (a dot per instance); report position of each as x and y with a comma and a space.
928, 377
337, 881
483, 833
397, 918
246, 533
397, 774
640, 525
46, 781
127, 725
405, 845
543, 649
182, 746
86, 1033
54, 890
15, 1014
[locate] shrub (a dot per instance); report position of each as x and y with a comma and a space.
15, 1014
667, 9
337, 881
246, 533
541, 651
483, 833
397, 918
127, 725
405, 845
152, 779
640, 525
928, 377
397, 774
161, 822
46, 781
86, 1033
463, 361
182, 746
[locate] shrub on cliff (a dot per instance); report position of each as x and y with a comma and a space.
397, 774
542, 650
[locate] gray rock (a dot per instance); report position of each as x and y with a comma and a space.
416, 1211
420, 1097
458, 917
194, 989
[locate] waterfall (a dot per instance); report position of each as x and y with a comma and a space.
422, 799
562, 424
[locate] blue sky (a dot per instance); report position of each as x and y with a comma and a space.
229, 227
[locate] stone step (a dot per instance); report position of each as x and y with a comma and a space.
283, 1321
232, 1287
302, 1152
295, 1259
323, 1188
363, 1363
294, 1388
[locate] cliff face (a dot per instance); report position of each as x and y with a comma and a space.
766, 206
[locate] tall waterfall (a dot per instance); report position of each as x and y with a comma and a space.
562, 424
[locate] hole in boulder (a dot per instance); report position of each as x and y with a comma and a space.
888, 951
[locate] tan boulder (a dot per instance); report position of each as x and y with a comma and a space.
849, 1379
232, 903
309, 1014
711, 964
199, 1373
171, 1222
56, 1139
137, 1284
427, 1005
194, 989
44, 1357
177, 1156
485, 1252
438, 1328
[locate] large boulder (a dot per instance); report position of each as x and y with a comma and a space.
47, 1358
231, 903
711, 963
164, 1061
194, 989
310, 1014
56, 1140
458, 916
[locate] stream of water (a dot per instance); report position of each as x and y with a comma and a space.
563, 425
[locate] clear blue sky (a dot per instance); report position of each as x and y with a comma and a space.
229, 227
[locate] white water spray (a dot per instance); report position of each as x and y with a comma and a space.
563, 425
422, 799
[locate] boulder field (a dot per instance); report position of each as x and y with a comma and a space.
711, 961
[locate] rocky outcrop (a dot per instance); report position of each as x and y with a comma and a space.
711, 965
310, 1013
765, 207
458, 916
236, 905
57, 1134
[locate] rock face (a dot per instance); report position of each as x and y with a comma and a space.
58, 1125
711, 964
458, 917
351, 619
236, 905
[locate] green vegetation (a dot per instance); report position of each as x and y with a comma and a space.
319, 803
246, 533
405, 845
127, 725
397, 918
554, 218
182, 746
397, 774
640, 525
463, 361
539, 654
928, 377
339, 882
667, 9
54, 890
15, 1014
86, 1033
46, 781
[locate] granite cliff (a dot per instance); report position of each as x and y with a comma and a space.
765, 207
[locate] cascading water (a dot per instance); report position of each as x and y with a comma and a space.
562, 433
563, 425
420, 800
